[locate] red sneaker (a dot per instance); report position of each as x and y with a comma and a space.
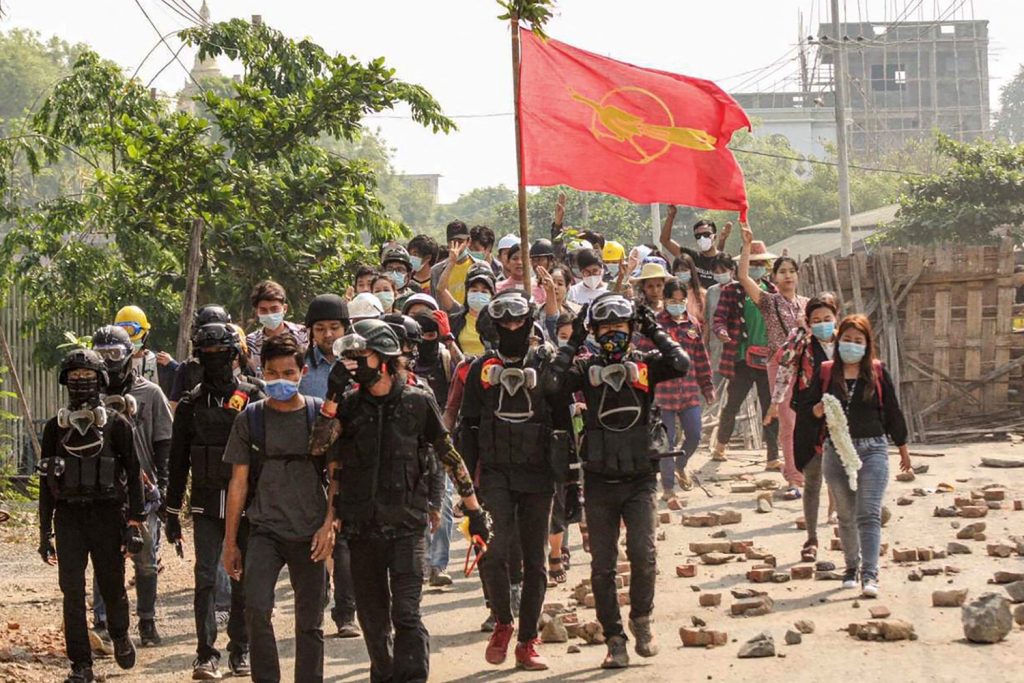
528, 658
497, 646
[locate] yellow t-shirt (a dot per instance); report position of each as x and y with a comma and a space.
469, 338
457, 281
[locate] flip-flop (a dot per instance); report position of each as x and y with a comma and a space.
556, 574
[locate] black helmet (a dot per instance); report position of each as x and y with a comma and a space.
398, 254
216, 334
114, 346
83, 359
373, 334
406, 327
210, 313
610, 308
480, 272
326, 307
542, 247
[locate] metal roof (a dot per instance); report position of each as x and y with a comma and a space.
824, 238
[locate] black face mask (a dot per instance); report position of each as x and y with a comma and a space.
429, 351
218, 374
514, 343
364, 374
120, 377
84, 391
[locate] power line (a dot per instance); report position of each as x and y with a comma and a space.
167, 45
821, 162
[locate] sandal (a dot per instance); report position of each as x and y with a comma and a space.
556, 574
566, 565
809, 553
684, 481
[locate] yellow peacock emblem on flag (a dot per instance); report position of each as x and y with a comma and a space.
610, 121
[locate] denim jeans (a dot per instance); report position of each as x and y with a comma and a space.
145, 575
265, 557
440, 542
812, 496
860, 511
609, 504
690, 421
208, 537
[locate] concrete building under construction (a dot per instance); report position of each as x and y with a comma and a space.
904, 80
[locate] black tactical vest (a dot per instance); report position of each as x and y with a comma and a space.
211, 426
86, 476
618, 438
385, 465
515, 419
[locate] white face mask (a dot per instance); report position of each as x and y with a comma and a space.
592, 281
704, 243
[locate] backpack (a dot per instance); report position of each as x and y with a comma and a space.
255, 414
826, 379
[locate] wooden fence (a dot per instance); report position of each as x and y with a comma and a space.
943, 317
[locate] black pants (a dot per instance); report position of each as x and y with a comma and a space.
344, 611
515, 563
389, 573
208, 537
83, 532
739, 386
521, 518
266, 555
607, 504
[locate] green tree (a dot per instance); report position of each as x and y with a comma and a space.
275, 202
1010, 119
978, 198
29, 67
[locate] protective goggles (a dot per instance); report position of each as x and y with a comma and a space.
508, 307
132, 328
350, 343
112, 353
613, 307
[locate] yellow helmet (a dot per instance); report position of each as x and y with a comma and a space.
241, 338
133, 319
613, 252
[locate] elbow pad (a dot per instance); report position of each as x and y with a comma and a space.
671, 351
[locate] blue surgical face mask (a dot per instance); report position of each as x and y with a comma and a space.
851, 352
612, 268
824, 331
675, 309
477, 300
757, 272
272, 321
562, 342
387, 299
417, 262
684, 277
724, 278
282, 389
477, 255
398, 278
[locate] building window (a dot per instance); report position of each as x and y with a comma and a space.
888, 77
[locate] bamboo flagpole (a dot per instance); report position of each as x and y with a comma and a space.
524, 228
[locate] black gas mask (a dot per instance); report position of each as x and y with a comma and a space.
365, 375
514, 343
218, 371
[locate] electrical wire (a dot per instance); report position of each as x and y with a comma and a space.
168, 46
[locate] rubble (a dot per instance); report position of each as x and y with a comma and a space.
949, 598
987, 619
883, 629
793, 637
701, 637
761, 645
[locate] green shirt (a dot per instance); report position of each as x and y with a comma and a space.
756, 334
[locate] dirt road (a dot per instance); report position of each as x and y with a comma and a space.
30, 600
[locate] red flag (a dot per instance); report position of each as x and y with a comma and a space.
650, 136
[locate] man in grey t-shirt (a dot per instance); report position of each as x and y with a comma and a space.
290, 522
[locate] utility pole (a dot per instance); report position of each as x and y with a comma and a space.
839, 80
655, 223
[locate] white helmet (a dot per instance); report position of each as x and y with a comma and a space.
364, 306
508, 241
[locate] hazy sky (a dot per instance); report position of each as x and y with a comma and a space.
461, 53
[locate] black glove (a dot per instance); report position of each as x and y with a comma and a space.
338, 381
172, 529
46, 549
573, 504
579, 327
480, 524
134, 541
646, 321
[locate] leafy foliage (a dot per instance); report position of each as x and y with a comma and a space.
1010, 119
978, 199
534, 12
275, 201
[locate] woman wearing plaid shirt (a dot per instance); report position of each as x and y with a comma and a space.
679, 399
